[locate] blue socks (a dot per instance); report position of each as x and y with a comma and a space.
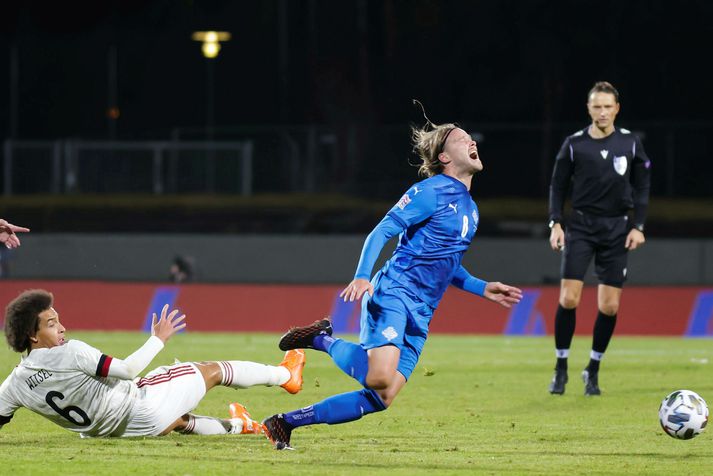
354, 361
337, 409
323, 342
348, 356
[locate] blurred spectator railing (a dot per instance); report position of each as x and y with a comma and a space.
372, 160
367, 160
76, 166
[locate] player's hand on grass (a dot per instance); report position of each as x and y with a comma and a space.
356, 289
502, 294
557, 237
167, 325
634, 239
8, 234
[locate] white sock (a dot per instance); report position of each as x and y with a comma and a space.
241, 374
596, 355
562, 353
205, 425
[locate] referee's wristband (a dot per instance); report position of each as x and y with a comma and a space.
639, 227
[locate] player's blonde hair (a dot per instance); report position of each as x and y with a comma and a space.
428, 142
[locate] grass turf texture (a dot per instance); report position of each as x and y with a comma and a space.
474, 404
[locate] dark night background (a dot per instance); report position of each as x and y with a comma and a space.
516, 72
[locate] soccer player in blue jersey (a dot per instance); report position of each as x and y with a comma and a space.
435, 220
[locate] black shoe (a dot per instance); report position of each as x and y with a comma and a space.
278, 431
591, 383
301, 337
558, 382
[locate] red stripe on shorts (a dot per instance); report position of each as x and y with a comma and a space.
170, 375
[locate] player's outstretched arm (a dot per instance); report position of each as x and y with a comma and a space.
379, 236
162, 328
494, 291
167, 325
462, 279
8, 234
502, 294
8, 403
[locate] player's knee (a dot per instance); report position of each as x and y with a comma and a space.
378, 381
570, 296
384, 387
386, 397
212, 373
179, 425
569, 300
609, 308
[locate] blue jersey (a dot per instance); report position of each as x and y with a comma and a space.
440, 219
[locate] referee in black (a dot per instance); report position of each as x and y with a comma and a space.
609, 173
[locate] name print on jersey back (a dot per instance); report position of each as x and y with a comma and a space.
37, 378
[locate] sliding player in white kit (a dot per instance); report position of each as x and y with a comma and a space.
81, 389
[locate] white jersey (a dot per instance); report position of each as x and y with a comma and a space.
68, 385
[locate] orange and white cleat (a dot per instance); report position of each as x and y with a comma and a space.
249, 426
294, 361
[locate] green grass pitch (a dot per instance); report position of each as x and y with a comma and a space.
475, 405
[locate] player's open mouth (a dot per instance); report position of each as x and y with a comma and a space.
473, 154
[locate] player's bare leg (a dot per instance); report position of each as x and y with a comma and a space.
383, 376
608, 299
570, 293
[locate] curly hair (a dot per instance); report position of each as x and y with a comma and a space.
428, 143
22, 317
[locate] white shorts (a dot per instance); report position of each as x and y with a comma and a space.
165, 394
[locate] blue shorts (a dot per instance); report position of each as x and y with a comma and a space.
394, 316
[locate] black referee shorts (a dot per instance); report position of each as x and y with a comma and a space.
601, 237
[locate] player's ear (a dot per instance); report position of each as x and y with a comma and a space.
33, 338
443, 158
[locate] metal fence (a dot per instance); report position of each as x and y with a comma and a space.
357, 159
75, 166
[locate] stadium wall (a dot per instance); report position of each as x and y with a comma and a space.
96, 305
318, 259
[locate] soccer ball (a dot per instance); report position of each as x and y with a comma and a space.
683, 414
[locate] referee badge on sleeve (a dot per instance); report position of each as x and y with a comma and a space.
620, 164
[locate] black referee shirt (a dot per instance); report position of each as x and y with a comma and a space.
609, 176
